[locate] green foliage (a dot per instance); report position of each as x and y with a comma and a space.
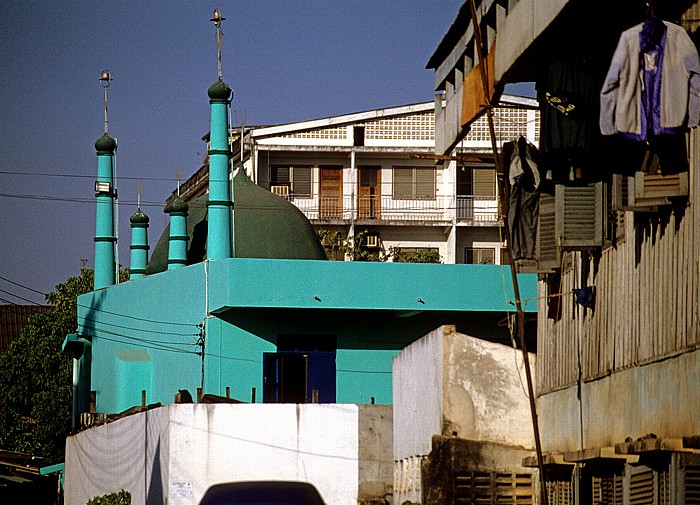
338, 247
424, 256
120, 498
36, 377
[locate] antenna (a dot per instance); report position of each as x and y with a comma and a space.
139, 190
105, 81
217, 19
178, 176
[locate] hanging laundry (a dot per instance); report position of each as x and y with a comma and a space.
520, 158
568, 94
651, 93
585, 296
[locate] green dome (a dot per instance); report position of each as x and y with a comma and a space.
139, 217
177, 206
265, 226
105, 144
219, 91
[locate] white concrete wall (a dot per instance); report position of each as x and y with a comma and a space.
451, 384
173, 453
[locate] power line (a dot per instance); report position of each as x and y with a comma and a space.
20, 297
22, 285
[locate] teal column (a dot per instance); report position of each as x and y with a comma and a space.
219, 215
139, 245
177, 248
105, 240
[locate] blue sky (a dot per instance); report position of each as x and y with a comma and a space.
286, 60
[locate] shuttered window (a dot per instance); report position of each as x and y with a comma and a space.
490, 487
296, 178
479, 255
476, 181
414, 183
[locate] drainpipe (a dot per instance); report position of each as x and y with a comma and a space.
139, 245
177, 249
220, 203
105, 240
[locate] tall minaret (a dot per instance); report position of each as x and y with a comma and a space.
105, 240
220, 203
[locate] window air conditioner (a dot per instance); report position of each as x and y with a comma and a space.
372, 241
280, 190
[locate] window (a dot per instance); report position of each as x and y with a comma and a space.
414, 183
476, 181
479, 255
296, 178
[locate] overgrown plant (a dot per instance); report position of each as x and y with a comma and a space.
120, 498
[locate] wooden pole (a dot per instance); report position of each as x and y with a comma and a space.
520, 316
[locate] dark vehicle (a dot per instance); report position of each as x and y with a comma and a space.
262, 493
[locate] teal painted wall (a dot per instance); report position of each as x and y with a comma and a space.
362, 375
160, 314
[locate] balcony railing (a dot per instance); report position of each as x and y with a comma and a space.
387, 208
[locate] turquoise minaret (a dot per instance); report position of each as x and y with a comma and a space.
220, 203
105, 267
139, 244
177, 248
220, 234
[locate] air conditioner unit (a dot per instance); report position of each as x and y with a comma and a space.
372, 241
280, 190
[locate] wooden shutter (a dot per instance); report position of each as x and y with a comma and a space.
548, 253
580, 216
651, 190
691, 484
490, 487
607, 490
642, 484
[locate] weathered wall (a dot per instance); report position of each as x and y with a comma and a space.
455, 385
375, 445
660, 398
173, 454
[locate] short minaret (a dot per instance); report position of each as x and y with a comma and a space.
177, 250
220, 203
105, 240
139, 245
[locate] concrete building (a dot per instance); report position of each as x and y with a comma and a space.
618, 362
375, 173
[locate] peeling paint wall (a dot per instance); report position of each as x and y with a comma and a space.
454, 385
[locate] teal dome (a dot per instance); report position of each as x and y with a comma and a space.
265, 226
138, 217
177, 206
105, 144
219, 91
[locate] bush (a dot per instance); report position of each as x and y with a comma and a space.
120, 498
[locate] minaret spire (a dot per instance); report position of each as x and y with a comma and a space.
220, 203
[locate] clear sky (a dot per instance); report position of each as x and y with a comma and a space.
286, 60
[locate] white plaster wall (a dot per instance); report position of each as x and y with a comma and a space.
189, 447
313, 443
417, 388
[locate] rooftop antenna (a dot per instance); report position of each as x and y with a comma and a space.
217, 19
105, 81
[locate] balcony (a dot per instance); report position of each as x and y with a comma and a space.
386, 209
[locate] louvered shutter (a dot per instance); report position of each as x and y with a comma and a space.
580, 216
548, 254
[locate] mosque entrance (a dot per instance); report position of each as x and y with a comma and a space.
301, 371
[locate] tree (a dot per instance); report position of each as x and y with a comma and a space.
36, 377
337, 246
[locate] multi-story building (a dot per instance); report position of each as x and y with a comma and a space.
374, 175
